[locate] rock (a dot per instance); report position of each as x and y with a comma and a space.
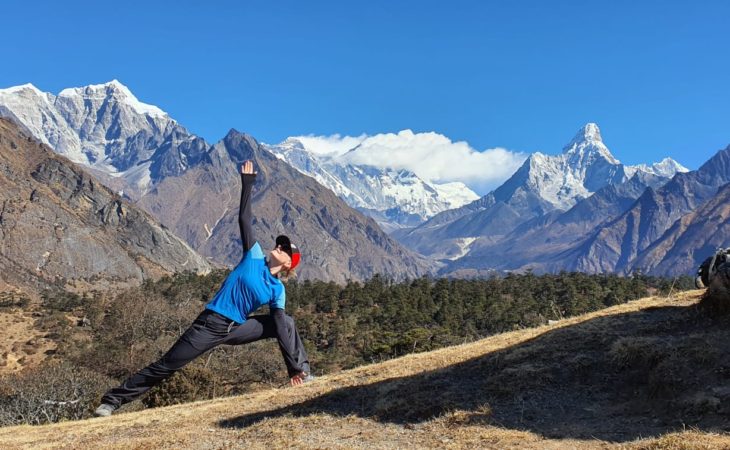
716, 300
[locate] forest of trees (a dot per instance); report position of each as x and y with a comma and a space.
343, 326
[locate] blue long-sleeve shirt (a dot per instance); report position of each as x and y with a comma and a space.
248, 287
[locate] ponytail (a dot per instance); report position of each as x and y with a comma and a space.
285, 275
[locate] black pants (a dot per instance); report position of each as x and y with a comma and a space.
210, 329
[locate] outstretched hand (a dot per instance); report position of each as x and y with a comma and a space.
247, 167
298, 379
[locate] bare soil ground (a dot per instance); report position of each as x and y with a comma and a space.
651, 374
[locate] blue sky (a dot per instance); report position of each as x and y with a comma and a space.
523, 75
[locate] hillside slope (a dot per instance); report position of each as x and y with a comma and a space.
685, 244
631, 376
59, 226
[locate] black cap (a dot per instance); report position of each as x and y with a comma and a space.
289, 248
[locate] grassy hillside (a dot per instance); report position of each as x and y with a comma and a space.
653, 373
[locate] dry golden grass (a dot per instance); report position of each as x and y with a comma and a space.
308, 417
22, 345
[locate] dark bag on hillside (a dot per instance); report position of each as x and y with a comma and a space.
708, 268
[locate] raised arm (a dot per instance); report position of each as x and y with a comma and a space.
248, 177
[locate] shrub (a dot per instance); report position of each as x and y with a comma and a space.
637, 352
190, 384
13, 300
49, 394
61, 301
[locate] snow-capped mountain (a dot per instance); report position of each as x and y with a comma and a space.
105, 127
585, 166
192, 188
647, 232
666, 168
35, 111
550, 203
393, 197
542, 185
134, 145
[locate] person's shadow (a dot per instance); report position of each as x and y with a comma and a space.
616, 378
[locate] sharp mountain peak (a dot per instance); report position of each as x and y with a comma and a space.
589, 132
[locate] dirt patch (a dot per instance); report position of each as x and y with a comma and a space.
21, 344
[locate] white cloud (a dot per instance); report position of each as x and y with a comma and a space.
432, 156
334, 145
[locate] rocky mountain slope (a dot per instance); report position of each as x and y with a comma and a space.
60, 225
130, 145
539, 243
617, 245
634, 376
691, 239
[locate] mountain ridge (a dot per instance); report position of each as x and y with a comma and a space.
543, 184
191, 187
140, 152
337, 243
107, 128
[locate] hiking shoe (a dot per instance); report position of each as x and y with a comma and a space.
104, 410
308, 378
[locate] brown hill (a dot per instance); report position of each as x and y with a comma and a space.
337, 242
58, 225
632, 376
